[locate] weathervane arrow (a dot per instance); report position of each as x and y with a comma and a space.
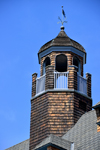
63, 14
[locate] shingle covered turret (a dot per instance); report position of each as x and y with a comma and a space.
61, 94
62, 40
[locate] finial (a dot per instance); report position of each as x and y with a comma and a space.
62, 28
62, 21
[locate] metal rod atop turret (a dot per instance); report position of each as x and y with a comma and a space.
62, 21
62, 14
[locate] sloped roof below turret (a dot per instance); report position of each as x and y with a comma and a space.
20, 146
84, 133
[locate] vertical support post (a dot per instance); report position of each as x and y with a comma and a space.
67, 80
54, 80
34, 76
49, 80
88, 76
72, 77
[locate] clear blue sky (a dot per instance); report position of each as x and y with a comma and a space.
25, 25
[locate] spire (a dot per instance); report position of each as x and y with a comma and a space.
62, 21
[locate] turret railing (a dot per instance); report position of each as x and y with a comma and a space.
40, 84
70, 80
81, 84
61, 80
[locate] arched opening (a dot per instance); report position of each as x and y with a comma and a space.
46, 63
76, 62
61, 63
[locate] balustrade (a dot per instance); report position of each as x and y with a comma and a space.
82, 84
61, 82
40, 84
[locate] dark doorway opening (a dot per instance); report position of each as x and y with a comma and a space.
46, 63
61, 63
76, 62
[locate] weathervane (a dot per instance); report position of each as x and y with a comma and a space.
63, 14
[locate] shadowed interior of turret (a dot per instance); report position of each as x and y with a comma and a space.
61, 63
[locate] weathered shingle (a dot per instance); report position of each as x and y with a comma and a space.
84, 134
62, 40
20, 146
55, 140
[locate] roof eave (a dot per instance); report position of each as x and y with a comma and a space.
96, 106
61, 46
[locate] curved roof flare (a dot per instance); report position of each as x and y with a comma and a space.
62, 40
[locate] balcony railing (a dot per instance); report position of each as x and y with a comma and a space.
81, 84
40, 84
61, 80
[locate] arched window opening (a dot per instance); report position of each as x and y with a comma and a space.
61, 63
76, 62
46, 63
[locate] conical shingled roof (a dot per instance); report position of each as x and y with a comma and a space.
62, 40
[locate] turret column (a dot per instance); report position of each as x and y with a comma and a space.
72, 77
88, 76
49, 83
34, 76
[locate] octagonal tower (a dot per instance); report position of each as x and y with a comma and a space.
61, 94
